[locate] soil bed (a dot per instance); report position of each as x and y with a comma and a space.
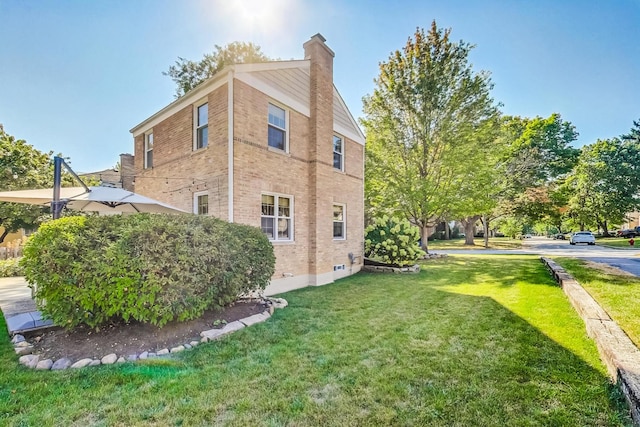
126, 339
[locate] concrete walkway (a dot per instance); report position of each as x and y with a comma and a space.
19, 309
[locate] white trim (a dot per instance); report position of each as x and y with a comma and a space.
342, 144
272, 65
145, 149
344, 221
291, 216
286, 127
183, 102
196, 117
195, 201
274, 93
230, 140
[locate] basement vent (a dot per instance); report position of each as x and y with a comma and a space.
338, 267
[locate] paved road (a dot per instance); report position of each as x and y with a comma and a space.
627, 260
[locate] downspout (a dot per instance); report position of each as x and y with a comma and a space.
230, 136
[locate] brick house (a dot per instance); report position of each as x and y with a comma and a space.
271, 145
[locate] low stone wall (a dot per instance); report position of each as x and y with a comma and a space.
617, 351
386, 269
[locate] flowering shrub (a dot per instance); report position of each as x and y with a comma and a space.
392, 241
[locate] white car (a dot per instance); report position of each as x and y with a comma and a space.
583, 237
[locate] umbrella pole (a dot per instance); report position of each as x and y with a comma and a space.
56, 204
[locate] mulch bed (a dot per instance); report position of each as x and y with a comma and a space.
130, 338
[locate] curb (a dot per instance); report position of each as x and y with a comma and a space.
617, 351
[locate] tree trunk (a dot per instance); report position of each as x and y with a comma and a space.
605, 229
469, 224
485, 222
447, 231
3, 235
424, 238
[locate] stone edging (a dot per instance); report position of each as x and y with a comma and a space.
24, 348
617, 351
386, 269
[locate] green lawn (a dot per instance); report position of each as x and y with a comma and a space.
618, 243
494, 243
618, 295
471, 340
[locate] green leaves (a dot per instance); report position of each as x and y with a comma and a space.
149, 268
392, 241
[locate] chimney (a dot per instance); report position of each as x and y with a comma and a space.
320, 160
127, 171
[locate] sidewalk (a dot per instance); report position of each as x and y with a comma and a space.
18, 307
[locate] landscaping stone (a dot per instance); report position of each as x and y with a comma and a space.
194, 343
213, 334
44, 365
151, 355
143, 355
17, 338
132, 358
95, 362
61, 364
279, 302
21, 351
120, 360
109, 359
188, 346
177, 349
29, 360
256, 318
81, 363
163, 351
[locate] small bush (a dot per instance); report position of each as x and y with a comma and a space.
392, 241
151, 268
10, 268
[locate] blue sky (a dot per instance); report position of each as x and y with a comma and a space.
77, 75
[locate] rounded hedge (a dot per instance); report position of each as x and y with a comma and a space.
152, 268
392, 241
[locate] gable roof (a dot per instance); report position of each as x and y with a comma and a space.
287, 82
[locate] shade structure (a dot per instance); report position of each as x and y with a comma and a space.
106, 200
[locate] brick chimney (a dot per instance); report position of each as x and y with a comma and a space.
321, 158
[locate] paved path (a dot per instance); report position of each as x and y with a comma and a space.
18, 307
624, 259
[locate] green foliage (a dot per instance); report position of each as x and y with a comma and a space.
429, 114
150, 268
188, 74
10, 268
510, 226
392, 241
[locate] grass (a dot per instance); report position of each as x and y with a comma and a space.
471, 340
494, 243
617, 243
619, 295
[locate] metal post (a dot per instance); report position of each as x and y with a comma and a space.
56, 204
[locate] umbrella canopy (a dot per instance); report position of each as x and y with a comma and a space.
98, 199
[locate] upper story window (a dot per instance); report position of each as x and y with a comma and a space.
148, 150
202, 125
277, 128
339, 224
276, 218
338, 153
201, 203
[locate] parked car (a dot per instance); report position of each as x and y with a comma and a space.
627, 233
527, 236
583, 237
559, 236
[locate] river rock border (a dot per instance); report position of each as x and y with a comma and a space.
617, 351
24, 349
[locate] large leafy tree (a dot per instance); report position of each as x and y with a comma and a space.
21, 167
188, 74
604, 184
427, 115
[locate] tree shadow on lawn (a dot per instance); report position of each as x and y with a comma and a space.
369, 349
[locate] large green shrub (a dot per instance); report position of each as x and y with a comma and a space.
392, 241
10, 267
151, 268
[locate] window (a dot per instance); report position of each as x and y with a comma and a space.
338, 153
277, 128
339, 231
276, 217
201, 203
148, 150
202, 126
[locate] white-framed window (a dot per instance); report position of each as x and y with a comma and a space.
338, 153
277, 132
201, 203
148, 150
276, 217
201, 123
339, 222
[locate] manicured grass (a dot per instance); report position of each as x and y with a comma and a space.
619, 295
471, 340
494, 243
618, 243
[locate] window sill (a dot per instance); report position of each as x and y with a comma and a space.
282, 242
278, 151
341, 171
341, 239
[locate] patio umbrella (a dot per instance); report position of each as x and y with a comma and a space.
98, 199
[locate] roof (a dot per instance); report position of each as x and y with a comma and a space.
287, 82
